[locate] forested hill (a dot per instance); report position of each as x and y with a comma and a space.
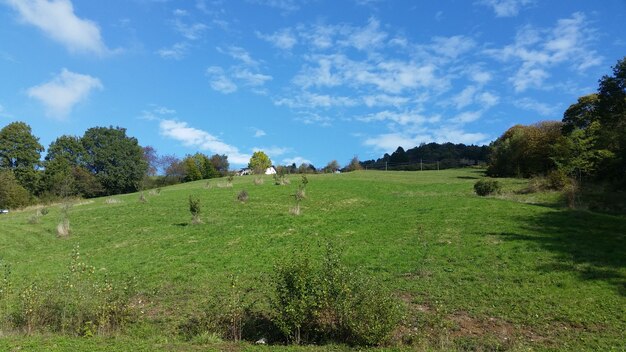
431, 156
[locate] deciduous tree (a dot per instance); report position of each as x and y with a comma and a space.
114, 158
259, 162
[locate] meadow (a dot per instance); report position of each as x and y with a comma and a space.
513, 271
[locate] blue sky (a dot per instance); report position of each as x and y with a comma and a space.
303, 80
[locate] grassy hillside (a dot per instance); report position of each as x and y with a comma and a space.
505, 272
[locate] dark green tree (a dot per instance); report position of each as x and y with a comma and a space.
69, 148
612, 114
220, 163
114, 158
20, 152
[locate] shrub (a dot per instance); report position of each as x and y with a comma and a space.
142, 198
570, 191
331, 302
486, 187
242, 196
299, 197
557, 180
194, 208
223, 316
12, 194
81, 303
295, 283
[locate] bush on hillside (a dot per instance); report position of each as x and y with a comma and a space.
82, 303
331, 302
12, 194
486, 187
194, 209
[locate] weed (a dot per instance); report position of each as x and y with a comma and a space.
570, 191
258, 181
242, 196
63, 228
279, 179
34, 219
112, 201
155, 192
299, 196
195, 209
142, 198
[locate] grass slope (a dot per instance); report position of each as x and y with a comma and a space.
505, 272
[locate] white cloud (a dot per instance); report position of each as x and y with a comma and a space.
472, 95
272, 151
259, 133
313, 100
487, 99
219, 81
465, 98
189, 31
64, 91
320, 37
401, 118
506, 8
196, 138
568, 44
244, 73
452, 47
283, 5
540, 108
478, 75
391, 141
467, 116
365, 38
385, 100
3, 112
529, 77
311, 118
284, 39
389, 76
177, 51
240, 54
298, 160
58, 20
250, 78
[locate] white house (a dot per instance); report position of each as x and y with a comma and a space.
269, 171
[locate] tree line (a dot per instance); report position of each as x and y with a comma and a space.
588, 144
424, 156
104, 161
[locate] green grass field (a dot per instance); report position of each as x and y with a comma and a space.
508, 272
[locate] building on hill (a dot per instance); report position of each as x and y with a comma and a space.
247, 171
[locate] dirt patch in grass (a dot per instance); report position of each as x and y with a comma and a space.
467, 325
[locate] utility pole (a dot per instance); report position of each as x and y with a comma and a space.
437, 165
421, 167
386, 162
